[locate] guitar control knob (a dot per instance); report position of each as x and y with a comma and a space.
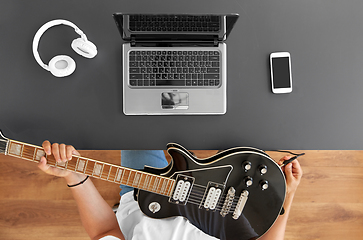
262, 169
246, 165
264, 184
248, 181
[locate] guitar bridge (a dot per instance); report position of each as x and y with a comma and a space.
182, 189
241, 204
228, 201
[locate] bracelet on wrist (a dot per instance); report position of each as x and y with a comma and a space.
78, 183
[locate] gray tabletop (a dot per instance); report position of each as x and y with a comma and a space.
324, 111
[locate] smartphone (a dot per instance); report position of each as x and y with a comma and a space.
281, 77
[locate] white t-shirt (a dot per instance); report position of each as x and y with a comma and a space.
137, 226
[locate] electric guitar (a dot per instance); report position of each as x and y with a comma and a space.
235, 194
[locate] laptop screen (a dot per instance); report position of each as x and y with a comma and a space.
175, 27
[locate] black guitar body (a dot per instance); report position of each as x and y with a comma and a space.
224, 170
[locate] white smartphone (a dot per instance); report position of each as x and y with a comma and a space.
281, 77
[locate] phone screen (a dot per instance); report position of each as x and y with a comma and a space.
281, 72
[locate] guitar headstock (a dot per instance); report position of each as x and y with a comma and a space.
3, 143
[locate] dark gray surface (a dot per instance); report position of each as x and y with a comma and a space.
325, 39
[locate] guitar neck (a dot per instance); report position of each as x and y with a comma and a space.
105, 171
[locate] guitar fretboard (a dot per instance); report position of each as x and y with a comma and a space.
105, 171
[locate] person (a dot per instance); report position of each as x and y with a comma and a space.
100, 222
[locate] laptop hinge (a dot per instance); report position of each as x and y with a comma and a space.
166, 43
216, 42
133, 42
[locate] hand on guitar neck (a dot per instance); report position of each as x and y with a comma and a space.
97, 216
61, 153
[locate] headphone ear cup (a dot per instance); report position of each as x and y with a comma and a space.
84, 48
62, 66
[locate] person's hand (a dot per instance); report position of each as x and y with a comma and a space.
61, 153
293, 174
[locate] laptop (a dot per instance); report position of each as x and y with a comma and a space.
174, 63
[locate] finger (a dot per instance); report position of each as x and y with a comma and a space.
55, 151
70, 151
285, 158
47, 147
288, 172
75, 152
51, 170
63, 152
42, 165
296, 169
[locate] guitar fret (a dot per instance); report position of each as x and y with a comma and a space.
22, 150
79, 165
109, 171
151, 183
137, 179
122, 176
85, 168
103, 166
155, 182
35, 154
163, 187
118, 177
127, 182
146, 182
157, 188
116, 174
96, 169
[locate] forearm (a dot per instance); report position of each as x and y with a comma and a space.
96, 215
277, 231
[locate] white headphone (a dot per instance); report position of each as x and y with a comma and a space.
62, 65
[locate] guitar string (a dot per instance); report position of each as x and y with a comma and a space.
195, 195
201, 193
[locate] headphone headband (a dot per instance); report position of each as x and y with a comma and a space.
43, 29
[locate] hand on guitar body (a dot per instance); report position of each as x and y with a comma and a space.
293, 174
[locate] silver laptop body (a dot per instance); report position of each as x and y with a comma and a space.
168, 69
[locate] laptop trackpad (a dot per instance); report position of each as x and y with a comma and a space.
174, 100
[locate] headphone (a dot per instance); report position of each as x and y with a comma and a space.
62, 65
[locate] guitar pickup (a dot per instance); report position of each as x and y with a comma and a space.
182, 189
212, 196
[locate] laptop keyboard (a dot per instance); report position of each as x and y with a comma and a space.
176, 23
174, 68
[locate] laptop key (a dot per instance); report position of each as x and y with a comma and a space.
135, 76
212, 70
211, 76
134, 70
133, 83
